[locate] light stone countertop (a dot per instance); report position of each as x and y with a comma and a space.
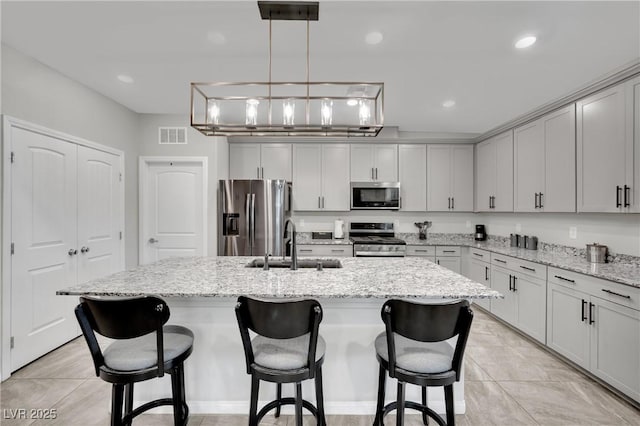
563, 257
408, 277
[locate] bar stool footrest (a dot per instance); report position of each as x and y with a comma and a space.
415, 406
286, 401
153, 404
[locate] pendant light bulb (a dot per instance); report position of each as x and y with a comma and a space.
365, 113
288, 112
326, 112
214, 112
252, 112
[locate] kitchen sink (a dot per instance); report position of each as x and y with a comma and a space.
302, 263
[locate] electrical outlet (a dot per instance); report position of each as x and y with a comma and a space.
468, 224
573, 232
518, 227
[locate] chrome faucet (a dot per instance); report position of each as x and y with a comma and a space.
294, 254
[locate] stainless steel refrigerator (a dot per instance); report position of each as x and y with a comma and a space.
251, 215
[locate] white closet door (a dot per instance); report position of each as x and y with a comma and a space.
173, 216
43, 211
99, 213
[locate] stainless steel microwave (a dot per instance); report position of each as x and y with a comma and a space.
375, 195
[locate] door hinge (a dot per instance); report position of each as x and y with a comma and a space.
11, 345
120, 234
13, 156
13, 248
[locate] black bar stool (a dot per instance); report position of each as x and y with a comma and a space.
144, 348
414, 350
286, 349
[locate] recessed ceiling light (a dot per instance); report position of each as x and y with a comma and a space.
525, 42
374, 37
125, 78
216, 37
448, 104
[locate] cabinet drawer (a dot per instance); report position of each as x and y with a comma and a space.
429, 251
481, 255
443, 251
335, 250
529, 268
614, 292
503, 261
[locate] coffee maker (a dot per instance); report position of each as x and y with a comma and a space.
481, 233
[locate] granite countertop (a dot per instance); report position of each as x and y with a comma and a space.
225, 276
305, 238
569, 258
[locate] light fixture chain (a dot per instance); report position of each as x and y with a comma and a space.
270, 70
307, 106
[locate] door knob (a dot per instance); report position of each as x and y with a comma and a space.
153, 240
84, 250
71, 252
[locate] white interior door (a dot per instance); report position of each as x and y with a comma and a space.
173, 210
43, 230
99, 213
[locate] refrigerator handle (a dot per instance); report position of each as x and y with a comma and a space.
247, 215
253, 221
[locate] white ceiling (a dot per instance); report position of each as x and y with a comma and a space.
431, 51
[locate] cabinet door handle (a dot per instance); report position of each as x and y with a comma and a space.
514, 283
376, 173
540, 200
627, 196
535, 200
618, 204
438, 261
584, 313
421, 251
490, 197
616, 294
453, 201
337, 250
323, 201
319, 205
478, 254
591, 320
448, 251
372, 178
564, 279
527, 268
306, 250
486, 273
258, 172
500, 260
262, 172
510, 281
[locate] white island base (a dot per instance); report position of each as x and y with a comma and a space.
216, 378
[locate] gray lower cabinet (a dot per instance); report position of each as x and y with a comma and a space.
333, 250
524, 287
480, 271
596, 324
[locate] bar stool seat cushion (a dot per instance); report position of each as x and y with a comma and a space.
284, 354
416, 356
141, 352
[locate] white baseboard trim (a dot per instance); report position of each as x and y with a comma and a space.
356, 408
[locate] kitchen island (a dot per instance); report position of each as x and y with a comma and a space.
201, 293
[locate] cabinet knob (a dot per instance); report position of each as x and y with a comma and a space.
84, 250
71, 252
153, 240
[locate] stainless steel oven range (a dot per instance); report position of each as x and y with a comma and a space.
375, 240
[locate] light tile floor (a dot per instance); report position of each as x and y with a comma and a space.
509, 381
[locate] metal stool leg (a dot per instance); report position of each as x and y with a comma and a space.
176, 395
322, 421
253, 409
382, 376
400, 406
128, 400
448, 401
278, 397
425, 418
298, 404
116, 404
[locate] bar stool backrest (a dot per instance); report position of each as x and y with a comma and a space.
428, 323
279, 319
122, 318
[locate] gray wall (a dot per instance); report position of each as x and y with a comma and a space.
214, 148
33, 92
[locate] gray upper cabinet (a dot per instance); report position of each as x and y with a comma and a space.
412, 161
450, 177
260, 161
374, 162
544, 163
321, 177
605, 149
494, 174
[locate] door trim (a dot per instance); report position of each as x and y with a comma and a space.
143, 172
9, 123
